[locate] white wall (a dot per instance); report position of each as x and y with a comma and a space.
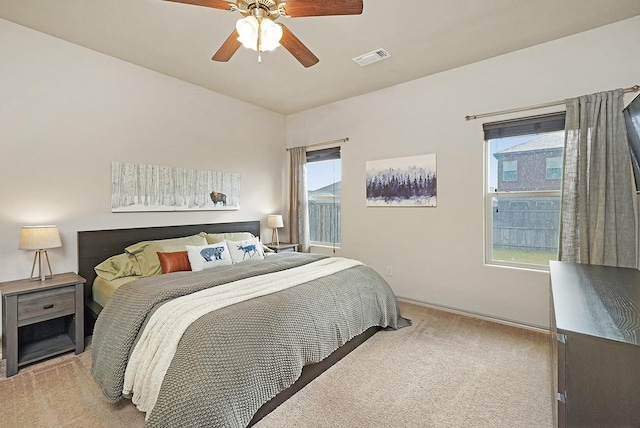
66, 112
437, 253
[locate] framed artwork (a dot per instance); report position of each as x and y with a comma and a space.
402, 182
140, 187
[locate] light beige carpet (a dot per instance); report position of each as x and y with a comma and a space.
445, 371
60, 392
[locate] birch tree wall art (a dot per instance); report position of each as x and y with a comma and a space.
402, 182
140, 187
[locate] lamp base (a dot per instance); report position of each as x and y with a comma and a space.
39, 259
274, 237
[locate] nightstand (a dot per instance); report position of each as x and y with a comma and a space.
282, 247
41, 319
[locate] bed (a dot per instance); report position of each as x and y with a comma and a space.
158, 343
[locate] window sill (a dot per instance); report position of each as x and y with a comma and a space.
520, 266
328, 250
322, 245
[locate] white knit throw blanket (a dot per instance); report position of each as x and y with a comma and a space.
157, 345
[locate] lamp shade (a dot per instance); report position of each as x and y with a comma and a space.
39, 238
275, 221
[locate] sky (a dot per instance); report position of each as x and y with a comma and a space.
321, 174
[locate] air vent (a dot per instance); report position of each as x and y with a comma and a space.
371, 57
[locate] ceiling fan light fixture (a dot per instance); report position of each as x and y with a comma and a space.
247, 29
270, 35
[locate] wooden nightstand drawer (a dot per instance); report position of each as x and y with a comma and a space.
44, 305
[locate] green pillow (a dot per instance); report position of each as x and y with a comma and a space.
214, 238
118, 266
145, 252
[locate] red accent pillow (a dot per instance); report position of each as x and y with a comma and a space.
174, 262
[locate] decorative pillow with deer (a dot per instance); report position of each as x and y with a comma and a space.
208, 256
247, 249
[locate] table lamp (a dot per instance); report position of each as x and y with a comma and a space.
274, 222
40, 238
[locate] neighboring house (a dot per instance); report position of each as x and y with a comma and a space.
533, 165
529, 222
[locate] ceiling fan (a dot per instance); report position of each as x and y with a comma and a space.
258, 31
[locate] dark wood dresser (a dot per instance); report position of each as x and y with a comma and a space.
595, 326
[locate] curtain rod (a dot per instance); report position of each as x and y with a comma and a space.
339, 140
634, 88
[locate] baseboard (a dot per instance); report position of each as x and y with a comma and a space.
511, 323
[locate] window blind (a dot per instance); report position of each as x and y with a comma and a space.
532, 125
323, 154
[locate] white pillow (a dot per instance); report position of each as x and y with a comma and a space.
245, 250
208, 256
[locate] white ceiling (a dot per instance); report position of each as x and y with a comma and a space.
423, 37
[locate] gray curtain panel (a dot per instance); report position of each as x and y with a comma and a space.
598, 223
298, 200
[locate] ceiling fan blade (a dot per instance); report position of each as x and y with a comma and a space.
228, 48
216, 4
300, 8
297, 48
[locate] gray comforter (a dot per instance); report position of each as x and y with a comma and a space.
233, 360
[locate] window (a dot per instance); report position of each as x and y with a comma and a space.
522, 203
554, 167
519, 205
510, 170
323, 186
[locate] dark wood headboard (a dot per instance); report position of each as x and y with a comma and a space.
95, 246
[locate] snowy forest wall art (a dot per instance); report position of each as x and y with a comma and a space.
140, 187
402, 182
